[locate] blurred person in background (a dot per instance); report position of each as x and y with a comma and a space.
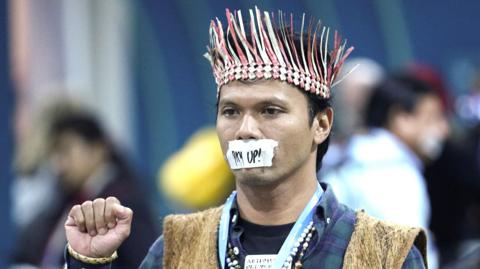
349, 101
34, 188
87, 166
454, 174
383, 169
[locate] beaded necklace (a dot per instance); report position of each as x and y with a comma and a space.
302, 244
299, 232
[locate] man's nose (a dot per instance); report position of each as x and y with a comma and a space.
248, 129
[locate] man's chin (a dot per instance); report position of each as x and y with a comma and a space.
254, 177
249, 172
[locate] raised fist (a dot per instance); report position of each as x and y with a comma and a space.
97, 229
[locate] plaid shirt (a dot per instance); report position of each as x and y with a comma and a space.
333, 221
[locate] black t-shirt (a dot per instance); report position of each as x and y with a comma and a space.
259, 239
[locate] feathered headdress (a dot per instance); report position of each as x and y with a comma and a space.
272, 51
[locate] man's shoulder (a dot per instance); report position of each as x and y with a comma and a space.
386, 228
376, 241
191, 235
181, 225
179, 231
200, 216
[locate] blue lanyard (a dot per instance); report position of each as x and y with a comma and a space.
223, 230
301, 223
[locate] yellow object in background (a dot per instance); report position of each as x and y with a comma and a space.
197, 176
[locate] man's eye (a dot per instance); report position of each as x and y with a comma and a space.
229, 112
271, 111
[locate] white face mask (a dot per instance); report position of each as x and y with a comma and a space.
250, 153
431, 145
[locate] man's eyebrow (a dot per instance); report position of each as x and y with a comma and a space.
226, 103
272, 100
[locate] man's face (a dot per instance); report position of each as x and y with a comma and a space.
75, 159
433, 127
268, 109
428, 128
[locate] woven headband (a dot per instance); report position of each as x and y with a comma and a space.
270, 52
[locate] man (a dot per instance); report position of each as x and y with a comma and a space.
273, 123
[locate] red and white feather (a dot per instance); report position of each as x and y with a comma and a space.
271, 53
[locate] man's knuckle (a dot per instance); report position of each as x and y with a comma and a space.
98, 202
112, 199
75, 208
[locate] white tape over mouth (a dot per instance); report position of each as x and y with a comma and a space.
250, 153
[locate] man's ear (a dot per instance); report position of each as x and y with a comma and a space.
322, 124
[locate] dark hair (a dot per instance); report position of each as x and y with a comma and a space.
83, 125
399, 91
315, 106
88, 128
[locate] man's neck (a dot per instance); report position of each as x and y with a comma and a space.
275, 204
